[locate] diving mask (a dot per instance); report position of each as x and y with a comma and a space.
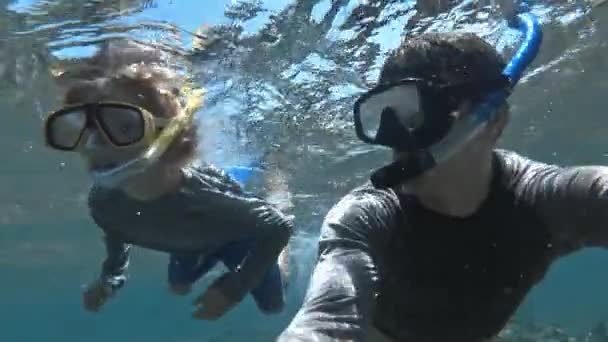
122, 125
414, 113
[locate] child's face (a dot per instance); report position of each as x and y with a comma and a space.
97, 152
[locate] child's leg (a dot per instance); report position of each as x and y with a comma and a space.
269, 294
185, 269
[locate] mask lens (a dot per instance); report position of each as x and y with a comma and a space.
404, 102
123, 125
65, 129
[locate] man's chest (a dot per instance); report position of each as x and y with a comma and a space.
462, 278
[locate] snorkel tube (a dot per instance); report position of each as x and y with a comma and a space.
243, 173
466, 129
485, 112
115, 176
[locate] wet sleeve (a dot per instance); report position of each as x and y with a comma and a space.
574, 204
244, 217
113, 272
340, 299
272, 232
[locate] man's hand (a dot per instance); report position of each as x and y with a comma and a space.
95, 295
213, 304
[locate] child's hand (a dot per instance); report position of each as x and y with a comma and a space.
95, 295
213, 304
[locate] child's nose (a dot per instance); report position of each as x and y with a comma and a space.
94, 140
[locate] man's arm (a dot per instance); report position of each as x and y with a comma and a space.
340, 300
574, 204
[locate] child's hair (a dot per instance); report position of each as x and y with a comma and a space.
145, 69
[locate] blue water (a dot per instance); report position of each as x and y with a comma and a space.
49, 247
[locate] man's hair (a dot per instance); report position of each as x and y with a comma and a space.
444, 57
448, 58
145, 69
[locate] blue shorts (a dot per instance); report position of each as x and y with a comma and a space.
187, 269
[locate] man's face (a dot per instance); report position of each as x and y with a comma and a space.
454, 116
486, 139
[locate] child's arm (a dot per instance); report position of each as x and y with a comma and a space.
231, 287
242, 218
272, 232
276, 179
112, 275
269, 244
113, 272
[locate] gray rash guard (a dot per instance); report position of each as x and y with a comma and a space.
208, 211
415, 275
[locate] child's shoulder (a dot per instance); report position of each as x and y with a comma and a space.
209, 175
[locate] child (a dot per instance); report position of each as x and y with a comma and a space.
121, 107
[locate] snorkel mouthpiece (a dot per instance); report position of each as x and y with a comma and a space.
116, 176
464, 130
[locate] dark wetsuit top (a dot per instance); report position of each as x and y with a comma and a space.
209, 211
416, 275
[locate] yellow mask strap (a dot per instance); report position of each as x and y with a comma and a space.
194, 101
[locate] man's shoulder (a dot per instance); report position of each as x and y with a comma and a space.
516, 160
368, 197
365, 207
518, 170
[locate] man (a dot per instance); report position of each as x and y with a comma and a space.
449, 253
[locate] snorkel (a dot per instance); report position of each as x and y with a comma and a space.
116, 176
243, 173
469, 127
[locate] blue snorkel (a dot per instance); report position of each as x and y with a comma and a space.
467, 128
243, 173
528, 25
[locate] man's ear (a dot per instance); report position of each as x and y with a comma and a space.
463, 110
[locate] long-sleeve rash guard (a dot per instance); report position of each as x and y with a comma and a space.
209, 211
387, 262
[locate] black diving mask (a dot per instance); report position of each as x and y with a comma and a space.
414, 113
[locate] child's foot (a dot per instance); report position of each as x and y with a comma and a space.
179, 289
283, 262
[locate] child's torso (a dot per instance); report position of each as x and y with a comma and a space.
209, 210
